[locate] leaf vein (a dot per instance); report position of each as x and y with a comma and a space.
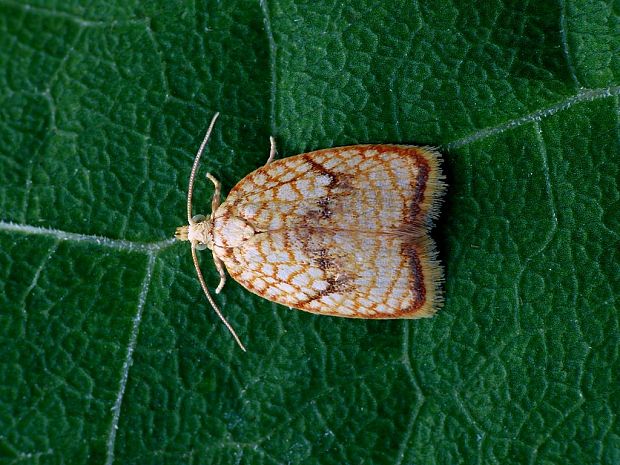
273, 48
565, 49
582, 96
116, 244
133, 338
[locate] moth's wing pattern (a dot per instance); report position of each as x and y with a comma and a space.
341, 273
362, 187
341, 231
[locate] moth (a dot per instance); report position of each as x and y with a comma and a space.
341, 231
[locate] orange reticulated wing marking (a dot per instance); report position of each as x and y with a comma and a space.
340, 273
341, 231
369, 187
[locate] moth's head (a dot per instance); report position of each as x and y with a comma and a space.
199, 232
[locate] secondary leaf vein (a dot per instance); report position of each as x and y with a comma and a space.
133, 338
580, 97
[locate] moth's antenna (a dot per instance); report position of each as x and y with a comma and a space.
192, 176
190, 192
206, 291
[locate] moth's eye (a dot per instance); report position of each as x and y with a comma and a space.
199, 218
201, 246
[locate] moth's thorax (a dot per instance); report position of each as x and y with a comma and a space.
230, 231
201, 233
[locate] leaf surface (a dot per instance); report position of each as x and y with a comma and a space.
109, 352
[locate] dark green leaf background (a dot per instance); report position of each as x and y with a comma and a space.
109, 352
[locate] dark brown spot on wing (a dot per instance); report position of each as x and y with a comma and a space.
324, 208
417, 276
419, 188
336, 283
336, 180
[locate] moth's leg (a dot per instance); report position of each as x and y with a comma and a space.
219, 265
215, 201
272, 150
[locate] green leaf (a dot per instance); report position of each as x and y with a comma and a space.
109, 352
